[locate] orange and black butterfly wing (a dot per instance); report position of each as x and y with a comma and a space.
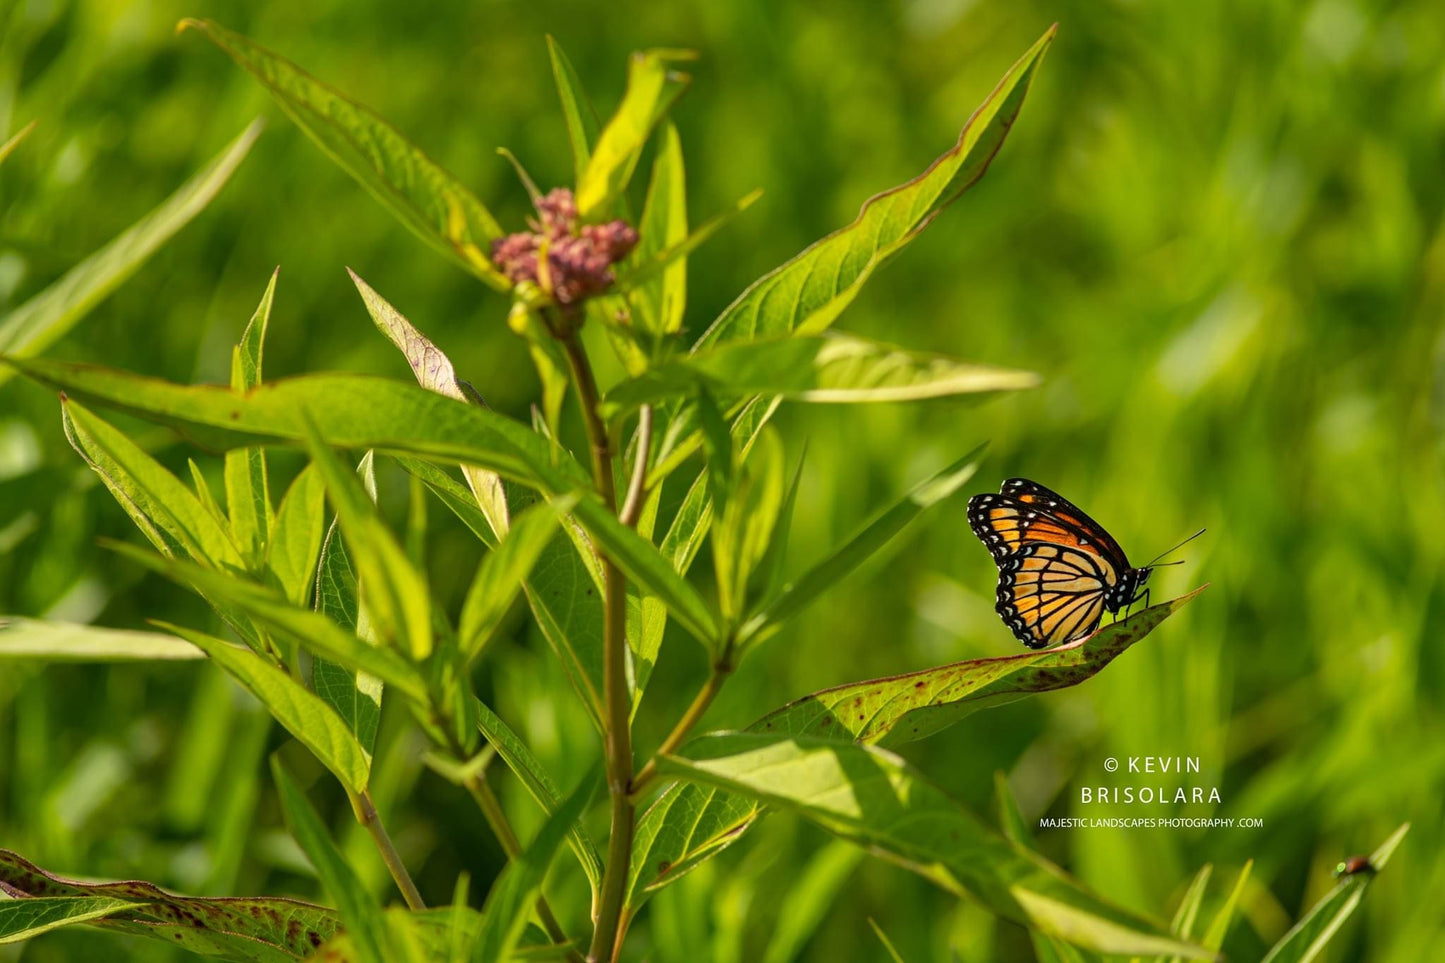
1050, 517
1053, 594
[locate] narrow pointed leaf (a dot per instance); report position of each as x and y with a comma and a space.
355, 695
434, 371
807, 293
21, 919
875, 799
514, 893
248, 492
310, 630
500, 576
527, 768
830, 369
394, 592
867, 541
577, 112
261, 929
304, 715
658, 301
642, 270
9, 146
569, 615
295, 541
420, 194
741, 536
651, 89
360, 913
888, 946
42, 320
1219, 926
45, 641
1308, 938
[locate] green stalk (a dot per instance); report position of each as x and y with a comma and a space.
617, 711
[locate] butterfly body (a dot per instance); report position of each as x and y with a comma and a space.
1059, 570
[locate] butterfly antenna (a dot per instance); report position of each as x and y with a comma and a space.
1156, 564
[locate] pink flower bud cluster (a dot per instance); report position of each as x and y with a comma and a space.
579, 260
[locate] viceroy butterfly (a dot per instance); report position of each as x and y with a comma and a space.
1058, 569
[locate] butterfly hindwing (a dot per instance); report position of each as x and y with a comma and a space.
1052, 594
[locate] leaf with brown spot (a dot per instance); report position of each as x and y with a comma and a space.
249, 929
688, 824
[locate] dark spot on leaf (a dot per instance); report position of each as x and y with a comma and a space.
918, 684
180, 936
827, 720
293, 931
235, 416
663, 867
314, 937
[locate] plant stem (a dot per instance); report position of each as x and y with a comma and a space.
679, 732
371, 819
491, 808
637, 485
617, 735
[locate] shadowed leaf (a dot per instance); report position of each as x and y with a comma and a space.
21, 919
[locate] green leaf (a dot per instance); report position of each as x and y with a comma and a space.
359, 911
419, 193
500, 576
302, 714
807, 293
836, 369
310, 630
350, 411
1308, 938
651, 90
547, 357
515, 891
877, 800
809, 898
248, 494
741, 537
356, 696
867, 541
22, 638
658, 302
394, 592
1219, 926
527, 768
9, 146
434, 371
569, 615
160, 504
641, 270
580, 117
262, 929
295, 541
887, 943
21, 919
42, 320
903, 708
1183, 923
176, 522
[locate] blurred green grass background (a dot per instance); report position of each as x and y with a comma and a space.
1215, 231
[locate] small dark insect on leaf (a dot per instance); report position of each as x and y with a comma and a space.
1354, 866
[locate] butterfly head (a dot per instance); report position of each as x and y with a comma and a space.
1129, 589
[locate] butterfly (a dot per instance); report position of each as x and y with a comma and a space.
1059, 571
